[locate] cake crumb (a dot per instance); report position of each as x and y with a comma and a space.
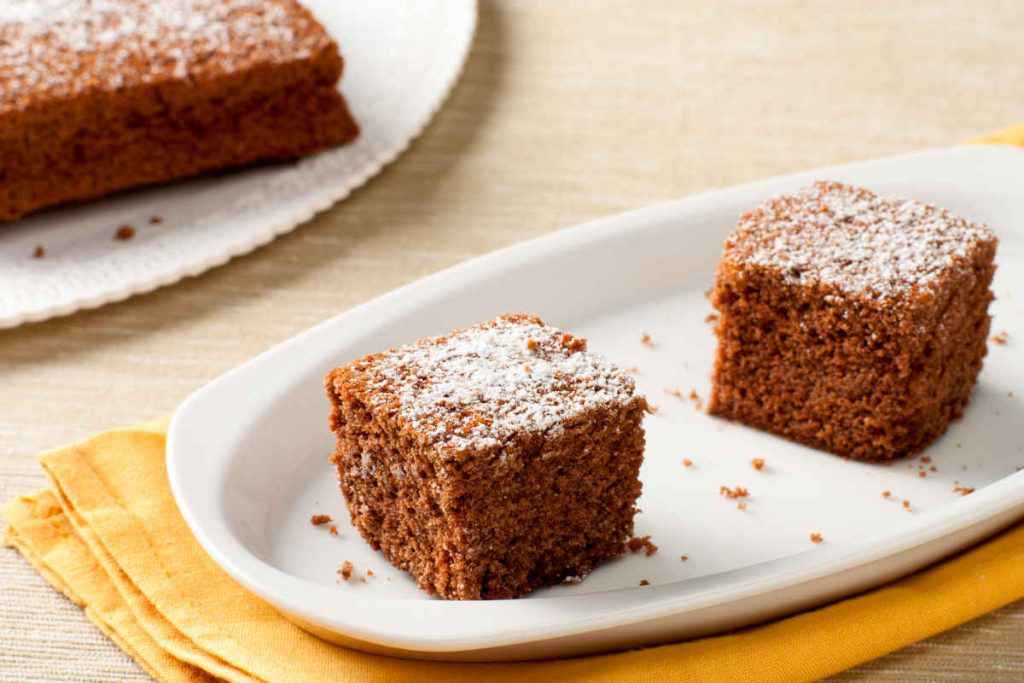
317, 520
742, 505
926, 459
638, 543
922, 473
711, 318
887, 494
963, 490
758, 464
125, 232
156, 220
687, 462
684, 558
646, 340
816, 538
695, 398
345, 570
645, 582
333, 530
369, 573
733, 494
652, 408
1001, 338
678, 393
40, 252
906, 505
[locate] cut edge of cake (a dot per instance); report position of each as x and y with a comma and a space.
838, 330
484, 486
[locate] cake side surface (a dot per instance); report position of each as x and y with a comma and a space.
88, 93
544, 492
865, 345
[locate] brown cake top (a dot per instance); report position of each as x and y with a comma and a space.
475, 387
865, 245
56, 48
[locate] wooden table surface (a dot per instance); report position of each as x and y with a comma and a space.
567, 111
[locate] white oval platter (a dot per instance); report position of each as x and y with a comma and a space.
247, 454
401, 61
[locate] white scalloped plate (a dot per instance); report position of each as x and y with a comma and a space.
401, 60
247, 453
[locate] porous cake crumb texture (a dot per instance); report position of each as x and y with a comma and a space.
851, 322
490, 461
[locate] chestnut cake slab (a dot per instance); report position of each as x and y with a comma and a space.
98, 96
851, 322
492, 460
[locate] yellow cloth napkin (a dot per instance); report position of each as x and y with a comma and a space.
1014, 135
109, 536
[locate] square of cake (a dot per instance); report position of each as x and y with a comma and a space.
851, 322
97, 97
492, 460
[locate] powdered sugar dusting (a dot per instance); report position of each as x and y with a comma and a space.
61, 47
476, 387
855, 240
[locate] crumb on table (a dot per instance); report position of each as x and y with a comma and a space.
645, 582
317, 520
156, 220
742, 505
646, 340
695, 398
1001, 338
963, 490
711, 317
734, 493
816, 538
345, 570
333, 530
687, 462
125, 232
887, 494
758, 464
39, 252
678, 393
906, 505
638, 543
684, 558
